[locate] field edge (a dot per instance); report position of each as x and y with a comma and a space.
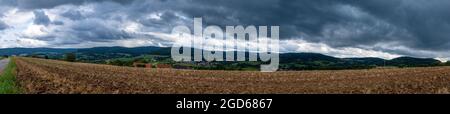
8, 79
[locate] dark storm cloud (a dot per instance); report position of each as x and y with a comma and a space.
307, 19
413, 24
43, 4
427, 20
40, 18
308, 16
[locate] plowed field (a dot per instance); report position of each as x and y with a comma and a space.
50, 76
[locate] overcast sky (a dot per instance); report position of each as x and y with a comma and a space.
341, 28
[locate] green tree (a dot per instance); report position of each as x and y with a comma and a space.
447, 63
71, 57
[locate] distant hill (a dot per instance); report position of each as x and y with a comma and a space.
410, 61
299, 57
288, 61
102, 54
28, 51
367, 61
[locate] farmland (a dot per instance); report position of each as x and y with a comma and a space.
40, 76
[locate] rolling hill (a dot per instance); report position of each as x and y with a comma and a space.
288, 61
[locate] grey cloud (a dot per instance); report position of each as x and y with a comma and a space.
40, 18
95, 31
73, 15
3, 25
58, 23
8, 3
89, 30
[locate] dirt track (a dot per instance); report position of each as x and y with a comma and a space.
3, 64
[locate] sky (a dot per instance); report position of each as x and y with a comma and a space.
340, 28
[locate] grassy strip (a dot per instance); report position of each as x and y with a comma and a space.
8, 79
